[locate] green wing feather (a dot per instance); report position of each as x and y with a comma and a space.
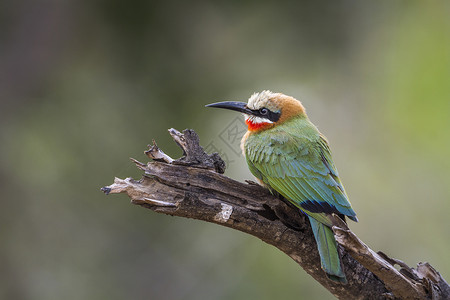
296, 162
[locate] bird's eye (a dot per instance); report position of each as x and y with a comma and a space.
263, 111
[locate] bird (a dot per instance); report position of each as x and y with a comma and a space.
288, 155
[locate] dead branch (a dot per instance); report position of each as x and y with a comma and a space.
194, 187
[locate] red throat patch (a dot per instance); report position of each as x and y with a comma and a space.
257, 126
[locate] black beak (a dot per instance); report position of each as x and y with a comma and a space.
237, 106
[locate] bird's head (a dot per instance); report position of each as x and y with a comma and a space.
265, 110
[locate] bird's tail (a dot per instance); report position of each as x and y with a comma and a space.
329, 255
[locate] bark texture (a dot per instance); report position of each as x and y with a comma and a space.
194, 187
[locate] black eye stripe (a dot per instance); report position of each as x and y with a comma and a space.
271, 115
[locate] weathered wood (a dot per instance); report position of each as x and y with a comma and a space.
193, 187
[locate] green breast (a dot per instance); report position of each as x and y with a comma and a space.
284, 142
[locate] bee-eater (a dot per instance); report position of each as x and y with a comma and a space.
288, 154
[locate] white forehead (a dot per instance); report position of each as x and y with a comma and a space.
260, 100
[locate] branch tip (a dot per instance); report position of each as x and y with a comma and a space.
106, 190
155, 153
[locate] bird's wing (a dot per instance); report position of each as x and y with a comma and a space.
301, 169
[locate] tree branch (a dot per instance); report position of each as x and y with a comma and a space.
194, 187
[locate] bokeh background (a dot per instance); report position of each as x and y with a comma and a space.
84, 85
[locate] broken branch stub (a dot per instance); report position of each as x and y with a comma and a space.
194, 154
193, 187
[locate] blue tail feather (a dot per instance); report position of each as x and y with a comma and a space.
329, 255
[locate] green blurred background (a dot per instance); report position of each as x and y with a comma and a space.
86, 84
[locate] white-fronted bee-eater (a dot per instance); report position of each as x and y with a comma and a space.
288, 154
